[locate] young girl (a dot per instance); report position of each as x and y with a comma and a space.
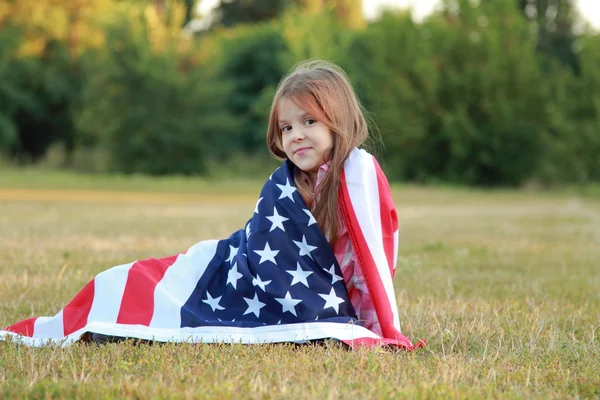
315, 122
316, 259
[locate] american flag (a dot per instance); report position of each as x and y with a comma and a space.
276, 280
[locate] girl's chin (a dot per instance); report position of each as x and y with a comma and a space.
307, 167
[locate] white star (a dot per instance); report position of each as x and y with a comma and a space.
213, 303
267, 254
286, 190
334, 276
311, 219
288, 304
248, 231
254, 305
331, 300
305, 248
257, 203
232, 253
260, 283
233, 276
277, 220
299, 275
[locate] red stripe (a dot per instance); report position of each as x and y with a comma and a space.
24, 327
402, 342
389, 217
75, 314
370, 271
371, 274
137, 304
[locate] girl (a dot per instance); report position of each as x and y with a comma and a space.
315, 122
316, 259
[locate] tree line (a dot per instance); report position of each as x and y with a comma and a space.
480, 93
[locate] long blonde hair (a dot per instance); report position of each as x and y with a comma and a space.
323, 90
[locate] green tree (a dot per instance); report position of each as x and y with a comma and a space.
348, 12
253, 59
573, 147
12, 96
152, 109
232, 12
458, 98
554, 21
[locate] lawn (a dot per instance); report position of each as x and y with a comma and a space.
504, 285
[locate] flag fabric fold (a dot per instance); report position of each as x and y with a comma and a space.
276, 280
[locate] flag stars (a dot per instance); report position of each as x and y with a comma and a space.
305, 248
259, 282
299, 275
332, 300
254, 305
311, 218
277, 220
286, 190
233, 276
247, 230
267, 254
288, 304
334, 277
232, 254
257, 203
213, 303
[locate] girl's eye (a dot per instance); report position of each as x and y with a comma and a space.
285, 128
309, 122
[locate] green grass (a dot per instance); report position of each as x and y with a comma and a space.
504, 285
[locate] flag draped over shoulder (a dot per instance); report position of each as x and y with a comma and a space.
276, 280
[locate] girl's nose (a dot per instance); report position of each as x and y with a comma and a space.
298, 134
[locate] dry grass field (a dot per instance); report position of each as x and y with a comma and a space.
504, 285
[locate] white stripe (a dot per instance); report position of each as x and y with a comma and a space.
395, 305
179, 282
396, 235
108, 293
49, 327
213, 334
222, 334
361, 178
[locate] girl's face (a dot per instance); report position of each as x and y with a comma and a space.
305, 140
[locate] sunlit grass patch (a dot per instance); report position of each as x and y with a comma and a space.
504, 285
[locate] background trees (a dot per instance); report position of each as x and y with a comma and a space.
483, 93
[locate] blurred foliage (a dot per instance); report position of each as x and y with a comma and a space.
554, 23
480, 93
455, 99
11, 94
573, 147
151, 107
252, 60
229, 13
36, 93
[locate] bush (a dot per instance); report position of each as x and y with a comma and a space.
11, 94
253, 60
153, 111
36, 95
573, 148
458, 98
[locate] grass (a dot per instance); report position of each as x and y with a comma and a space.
504, 285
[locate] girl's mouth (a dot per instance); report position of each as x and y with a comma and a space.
301, 151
